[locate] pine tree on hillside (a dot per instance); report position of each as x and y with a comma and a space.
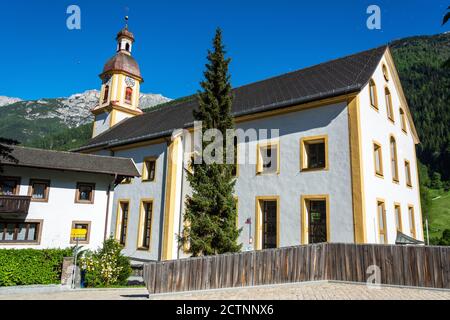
210, 217
5, 150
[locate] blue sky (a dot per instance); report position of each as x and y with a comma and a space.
42, 58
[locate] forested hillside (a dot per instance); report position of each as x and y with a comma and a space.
426, 82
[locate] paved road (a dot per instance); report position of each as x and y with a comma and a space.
313, 291
305, 291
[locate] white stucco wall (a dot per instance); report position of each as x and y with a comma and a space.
291, 184
101, 123
375, 125
138, 190
60, 210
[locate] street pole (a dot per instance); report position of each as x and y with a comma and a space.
75, 252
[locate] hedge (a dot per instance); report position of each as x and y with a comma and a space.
31, 266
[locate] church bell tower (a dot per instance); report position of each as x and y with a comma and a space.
120, 91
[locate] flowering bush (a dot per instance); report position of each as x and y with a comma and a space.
105, 267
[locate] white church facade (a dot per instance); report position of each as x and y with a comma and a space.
342, 169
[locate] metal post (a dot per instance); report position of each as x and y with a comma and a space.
74, 272
428, 233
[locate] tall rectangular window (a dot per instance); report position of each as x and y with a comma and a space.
122, 222
145, 224
314, 153
149, 169
394, 164
408, 173
398, 217
315, 219
373, 94
378, 159
381, 215
412, 222
403, 120
389, 109
267, 215
268, 158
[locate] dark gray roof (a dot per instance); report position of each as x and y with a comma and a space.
338, 77
70, 161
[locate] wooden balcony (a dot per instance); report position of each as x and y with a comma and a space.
14, 204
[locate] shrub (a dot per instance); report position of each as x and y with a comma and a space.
31, 266
105, 267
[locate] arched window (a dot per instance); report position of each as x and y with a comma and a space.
128, 94
106, 94
394, 164
373, 94
127, 47
389, 110
403, 120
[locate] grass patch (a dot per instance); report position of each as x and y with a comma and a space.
439, 213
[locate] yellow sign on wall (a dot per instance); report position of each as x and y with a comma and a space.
78, 233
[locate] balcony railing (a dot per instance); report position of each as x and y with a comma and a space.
14, 204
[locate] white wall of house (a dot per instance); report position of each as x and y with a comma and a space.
375, 125
61, 210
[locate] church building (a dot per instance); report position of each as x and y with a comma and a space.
343, 168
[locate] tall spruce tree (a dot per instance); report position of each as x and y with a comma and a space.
210, 217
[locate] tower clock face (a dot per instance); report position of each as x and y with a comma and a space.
130, 82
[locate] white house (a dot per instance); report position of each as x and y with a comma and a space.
343, 168
45, 194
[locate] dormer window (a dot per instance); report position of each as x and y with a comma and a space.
128, 95
106, 94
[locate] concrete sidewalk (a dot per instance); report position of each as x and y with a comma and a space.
321, 290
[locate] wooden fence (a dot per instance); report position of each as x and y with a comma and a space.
418, 266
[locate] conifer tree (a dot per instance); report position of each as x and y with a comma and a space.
210, 217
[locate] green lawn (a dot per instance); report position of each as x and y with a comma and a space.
439, 213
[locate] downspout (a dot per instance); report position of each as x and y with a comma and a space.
108, 198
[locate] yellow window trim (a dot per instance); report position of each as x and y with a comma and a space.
258, 216
389, 106
259, 163
304, 232
119, 219
142, 224
403, 120
312, 140
412, 221
144, 168
395, 179
384, 232
385, 71
373, 85
400, 223
408, 172
378, 174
